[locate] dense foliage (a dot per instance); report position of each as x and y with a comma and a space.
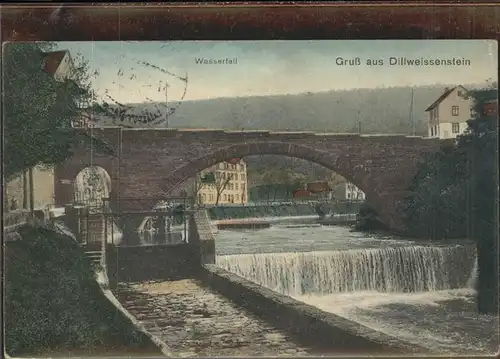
438, 206
38, 110
451, 181
53, 302
455, 194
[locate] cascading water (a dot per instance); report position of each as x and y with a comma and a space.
422, 293
400, 269
114, 233
471, 283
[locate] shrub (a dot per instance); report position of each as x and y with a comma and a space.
53, 302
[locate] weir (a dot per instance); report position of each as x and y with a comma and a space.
396, 269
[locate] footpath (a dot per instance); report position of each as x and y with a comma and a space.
193, 321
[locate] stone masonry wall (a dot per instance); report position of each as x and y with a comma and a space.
317, 327
150, 262
153, 162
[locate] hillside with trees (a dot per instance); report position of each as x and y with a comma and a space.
378, 110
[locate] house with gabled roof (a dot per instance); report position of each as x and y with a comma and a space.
58, 64
448, 115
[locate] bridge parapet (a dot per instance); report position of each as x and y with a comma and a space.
229, 132
204, 235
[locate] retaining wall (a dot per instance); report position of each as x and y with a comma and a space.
278, 210
308, 323
150, 262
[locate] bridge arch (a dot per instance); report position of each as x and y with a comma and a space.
91, 185
151, 163
345, 164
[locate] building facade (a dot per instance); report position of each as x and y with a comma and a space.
31, 190
348, 191
447, 116
34, 189
229, 182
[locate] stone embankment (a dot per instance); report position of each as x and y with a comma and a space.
240, 224
193, 321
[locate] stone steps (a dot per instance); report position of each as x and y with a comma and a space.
94, 256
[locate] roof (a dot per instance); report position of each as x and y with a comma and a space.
53, 60
318, 186
442, 97
302, 193
235, 161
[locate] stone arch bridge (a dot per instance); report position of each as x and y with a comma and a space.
151, 163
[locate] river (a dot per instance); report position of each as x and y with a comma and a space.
419, 292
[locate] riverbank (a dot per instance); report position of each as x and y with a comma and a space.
54, 305
288, 209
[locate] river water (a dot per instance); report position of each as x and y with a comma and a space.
422, 293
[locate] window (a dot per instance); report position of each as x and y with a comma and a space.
455, 128
432, 131
237, 197
225, 197
434, 113
204, 197
454, 110
236, 186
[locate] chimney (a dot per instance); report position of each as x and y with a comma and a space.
446, 89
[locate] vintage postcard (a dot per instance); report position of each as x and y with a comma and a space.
250, 198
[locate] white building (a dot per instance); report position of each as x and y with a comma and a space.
348, 191
230, 183
448, 115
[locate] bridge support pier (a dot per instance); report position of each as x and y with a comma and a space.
201, 239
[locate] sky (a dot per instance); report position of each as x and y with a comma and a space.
274, 67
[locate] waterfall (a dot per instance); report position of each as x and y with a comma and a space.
399, 269
115, 234
471, 282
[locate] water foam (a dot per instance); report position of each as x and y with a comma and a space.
399, 269
471, 283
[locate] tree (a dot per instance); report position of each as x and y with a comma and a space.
480, 146
220, 184
455, 193
437, 207
202, 180
198, 185
38, 110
